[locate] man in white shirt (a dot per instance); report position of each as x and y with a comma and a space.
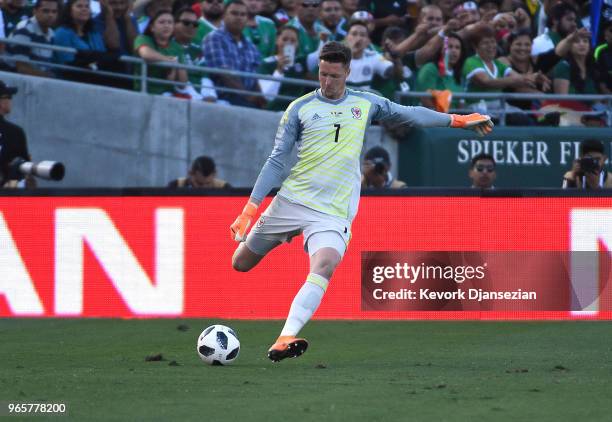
562, 22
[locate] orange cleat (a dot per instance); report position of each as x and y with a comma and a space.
287, 347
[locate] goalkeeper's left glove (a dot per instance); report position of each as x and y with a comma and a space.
480, 123
239, 228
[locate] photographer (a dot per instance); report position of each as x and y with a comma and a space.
13, 142
483, 171
375, 170
202, 174
588, 171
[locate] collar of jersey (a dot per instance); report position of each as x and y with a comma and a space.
327, 100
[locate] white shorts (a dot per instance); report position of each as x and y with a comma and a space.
283, 220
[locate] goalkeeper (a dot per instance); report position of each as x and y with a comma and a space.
319, 198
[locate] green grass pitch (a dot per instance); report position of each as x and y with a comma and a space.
362, 371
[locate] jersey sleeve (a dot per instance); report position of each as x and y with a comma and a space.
427, 78
504, 69
142, 40
562, 71
388, 111
472, 66
272, 171
382, 66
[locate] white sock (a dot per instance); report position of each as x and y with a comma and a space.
305, 304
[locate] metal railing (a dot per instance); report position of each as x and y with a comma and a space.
502, 111
144, 79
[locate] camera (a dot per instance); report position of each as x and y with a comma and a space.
589, 165
50, 170
380, 167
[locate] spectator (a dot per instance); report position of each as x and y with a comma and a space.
119, 29
416, 58
482, 171
576, 74
283, 64
588, 171
389, 86
212, 18
562, 22
386, 13
467, 13
367, 63
13, 12
157, 45
522, 18
13, 141
431, 15
36, 29
483, 73
117, 25
503, 24
269, 8
308, 26
445, 73
77, 31
331, 16
375, 171
227, 48
185, 27
348, 8
489, 7
429, 24
202, 175
446, 6
259, 30
366, 18
288, 10
541, 14
603, 59
521, 61
145, 10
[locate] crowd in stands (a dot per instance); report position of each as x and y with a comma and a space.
441, 46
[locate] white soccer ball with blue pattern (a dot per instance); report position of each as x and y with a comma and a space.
218, 345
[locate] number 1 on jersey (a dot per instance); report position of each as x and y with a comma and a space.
337, 126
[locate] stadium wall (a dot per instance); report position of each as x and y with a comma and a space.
526, 157
114, 138
147, 254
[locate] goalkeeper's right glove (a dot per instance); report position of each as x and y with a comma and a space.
480, 123
243, 222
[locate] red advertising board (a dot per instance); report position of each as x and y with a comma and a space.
170, 256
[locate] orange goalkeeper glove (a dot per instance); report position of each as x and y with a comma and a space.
243, 222
479, 123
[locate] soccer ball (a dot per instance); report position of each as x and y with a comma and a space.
218, 345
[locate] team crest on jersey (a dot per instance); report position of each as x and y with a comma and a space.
356, 113
261, 222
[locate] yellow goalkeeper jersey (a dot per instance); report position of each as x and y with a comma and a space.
329, 138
